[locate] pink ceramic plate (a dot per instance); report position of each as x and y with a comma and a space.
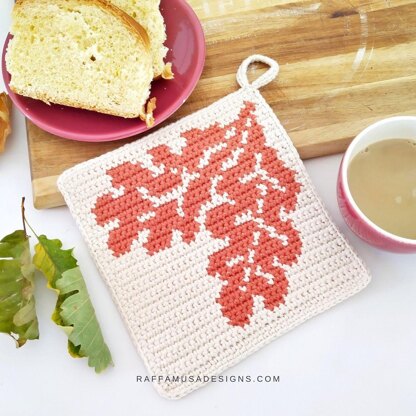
186, 43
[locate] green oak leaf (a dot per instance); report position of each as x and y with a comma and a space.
17, 303
77, 311
74, 311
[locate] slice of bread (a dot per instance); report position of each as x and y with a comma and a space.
147, 14
81, 53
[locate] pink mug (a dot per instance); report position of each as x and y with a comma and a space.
403, 127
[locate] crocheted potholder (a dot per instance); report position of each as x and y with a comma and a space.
211, 237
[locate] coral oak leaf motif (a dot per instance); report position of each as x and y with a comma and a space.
226, 181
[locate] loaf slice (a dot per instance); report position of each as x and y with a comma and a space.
147, 14
5, 109
81, 53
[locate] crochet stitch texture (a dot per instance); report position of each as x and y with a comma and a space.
211, 237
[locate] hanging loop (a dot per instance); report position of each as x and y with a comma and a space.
264, 79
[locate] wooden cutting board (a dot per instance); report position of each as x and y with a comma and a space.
344, 65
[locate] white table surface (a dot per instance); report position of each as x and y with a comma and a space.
356, 359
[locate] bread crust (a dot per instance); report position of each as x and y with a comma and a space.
5, 110
47, 99
126, 19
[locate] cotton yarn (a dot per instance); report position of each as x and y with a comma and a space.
211, 237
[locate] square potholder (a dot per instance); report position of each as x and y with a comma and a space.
211, 237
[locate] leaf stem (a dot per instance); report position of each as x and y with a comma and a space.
22, 206
25, 222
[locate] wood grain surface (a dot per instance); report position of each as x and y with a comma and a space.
343, 65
